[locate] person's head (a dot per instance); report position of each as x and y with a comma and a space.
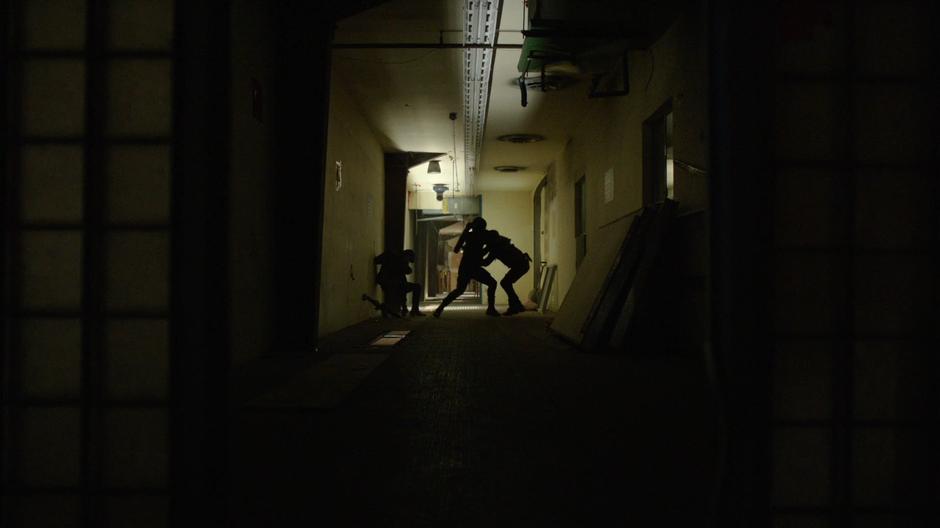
409, 255
478, 224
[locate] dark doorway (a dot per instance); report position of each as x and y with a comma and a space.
435, 262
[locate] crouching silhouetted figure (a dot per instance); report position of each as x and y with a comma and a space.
501, 248
471, 242
393, 279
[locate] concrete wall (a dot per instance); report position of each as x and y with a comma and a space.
610, 137
252, 171
353, 215
510, 213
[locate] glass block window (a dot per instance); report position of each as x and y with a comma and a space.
85, 393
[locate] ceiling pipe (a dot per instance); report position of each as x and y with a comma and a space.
481, 26
421, 45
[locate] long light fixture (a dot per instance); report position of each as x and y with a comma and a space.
453, 159
481, 24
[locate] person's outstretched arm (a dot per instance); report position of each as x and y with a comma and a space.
462, 239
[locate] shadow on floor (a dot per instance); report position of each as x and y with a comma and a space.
475, 421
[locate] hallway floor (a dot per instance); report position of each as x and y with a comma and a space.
473, 421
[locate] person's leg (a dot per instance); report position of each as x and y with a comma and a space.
389, 294
373, 302
462, 282
415, 290
483, 277
514, 274
403, 297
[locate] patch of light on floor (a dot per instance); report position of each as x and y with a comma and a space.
454, 307
389, 338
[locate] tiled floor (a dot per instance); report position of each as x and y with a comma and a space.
478, 421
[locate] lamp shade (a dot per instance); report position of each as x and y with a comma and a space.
434, 167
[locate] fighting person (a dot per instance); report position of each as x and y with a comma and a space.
393, 279
471, 242
501, 248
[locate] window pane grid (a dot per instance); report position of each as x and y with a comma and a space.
868, 424
80, 140
124, 314
30, 491
48, 59
924, 511
119, 226
124, 403
865, 431
78, 54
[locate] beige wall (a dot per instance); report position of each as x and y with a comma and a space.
510, 213
424, 200
409, 240
353, 225
558, 238
611, 137
252, 169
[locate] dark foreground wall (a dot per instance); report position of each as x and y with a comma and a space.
824, 239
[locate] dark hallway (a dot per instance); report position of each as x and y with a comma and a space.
476, 422
715, 226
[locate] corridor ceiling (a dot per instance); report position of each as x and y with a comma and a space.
407, 94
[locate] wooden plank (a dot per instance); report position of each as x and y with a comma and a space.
641, 287
617, 284
546, 290
588, 281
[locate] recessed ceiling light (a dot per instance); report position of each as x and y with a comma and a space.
521, 138
508, 168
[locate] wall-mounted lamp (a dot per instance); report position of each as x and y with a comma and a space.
434, 167
440, 189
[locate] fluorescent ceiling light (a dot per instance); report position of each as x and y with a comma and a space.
480, 27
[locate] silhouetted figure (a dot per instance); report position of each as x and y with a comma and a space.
393, 278
471, 267
410, 287
501, 248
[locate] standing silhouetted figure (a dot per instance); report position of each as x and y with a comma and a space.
471, 267
392, 277
500, 247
